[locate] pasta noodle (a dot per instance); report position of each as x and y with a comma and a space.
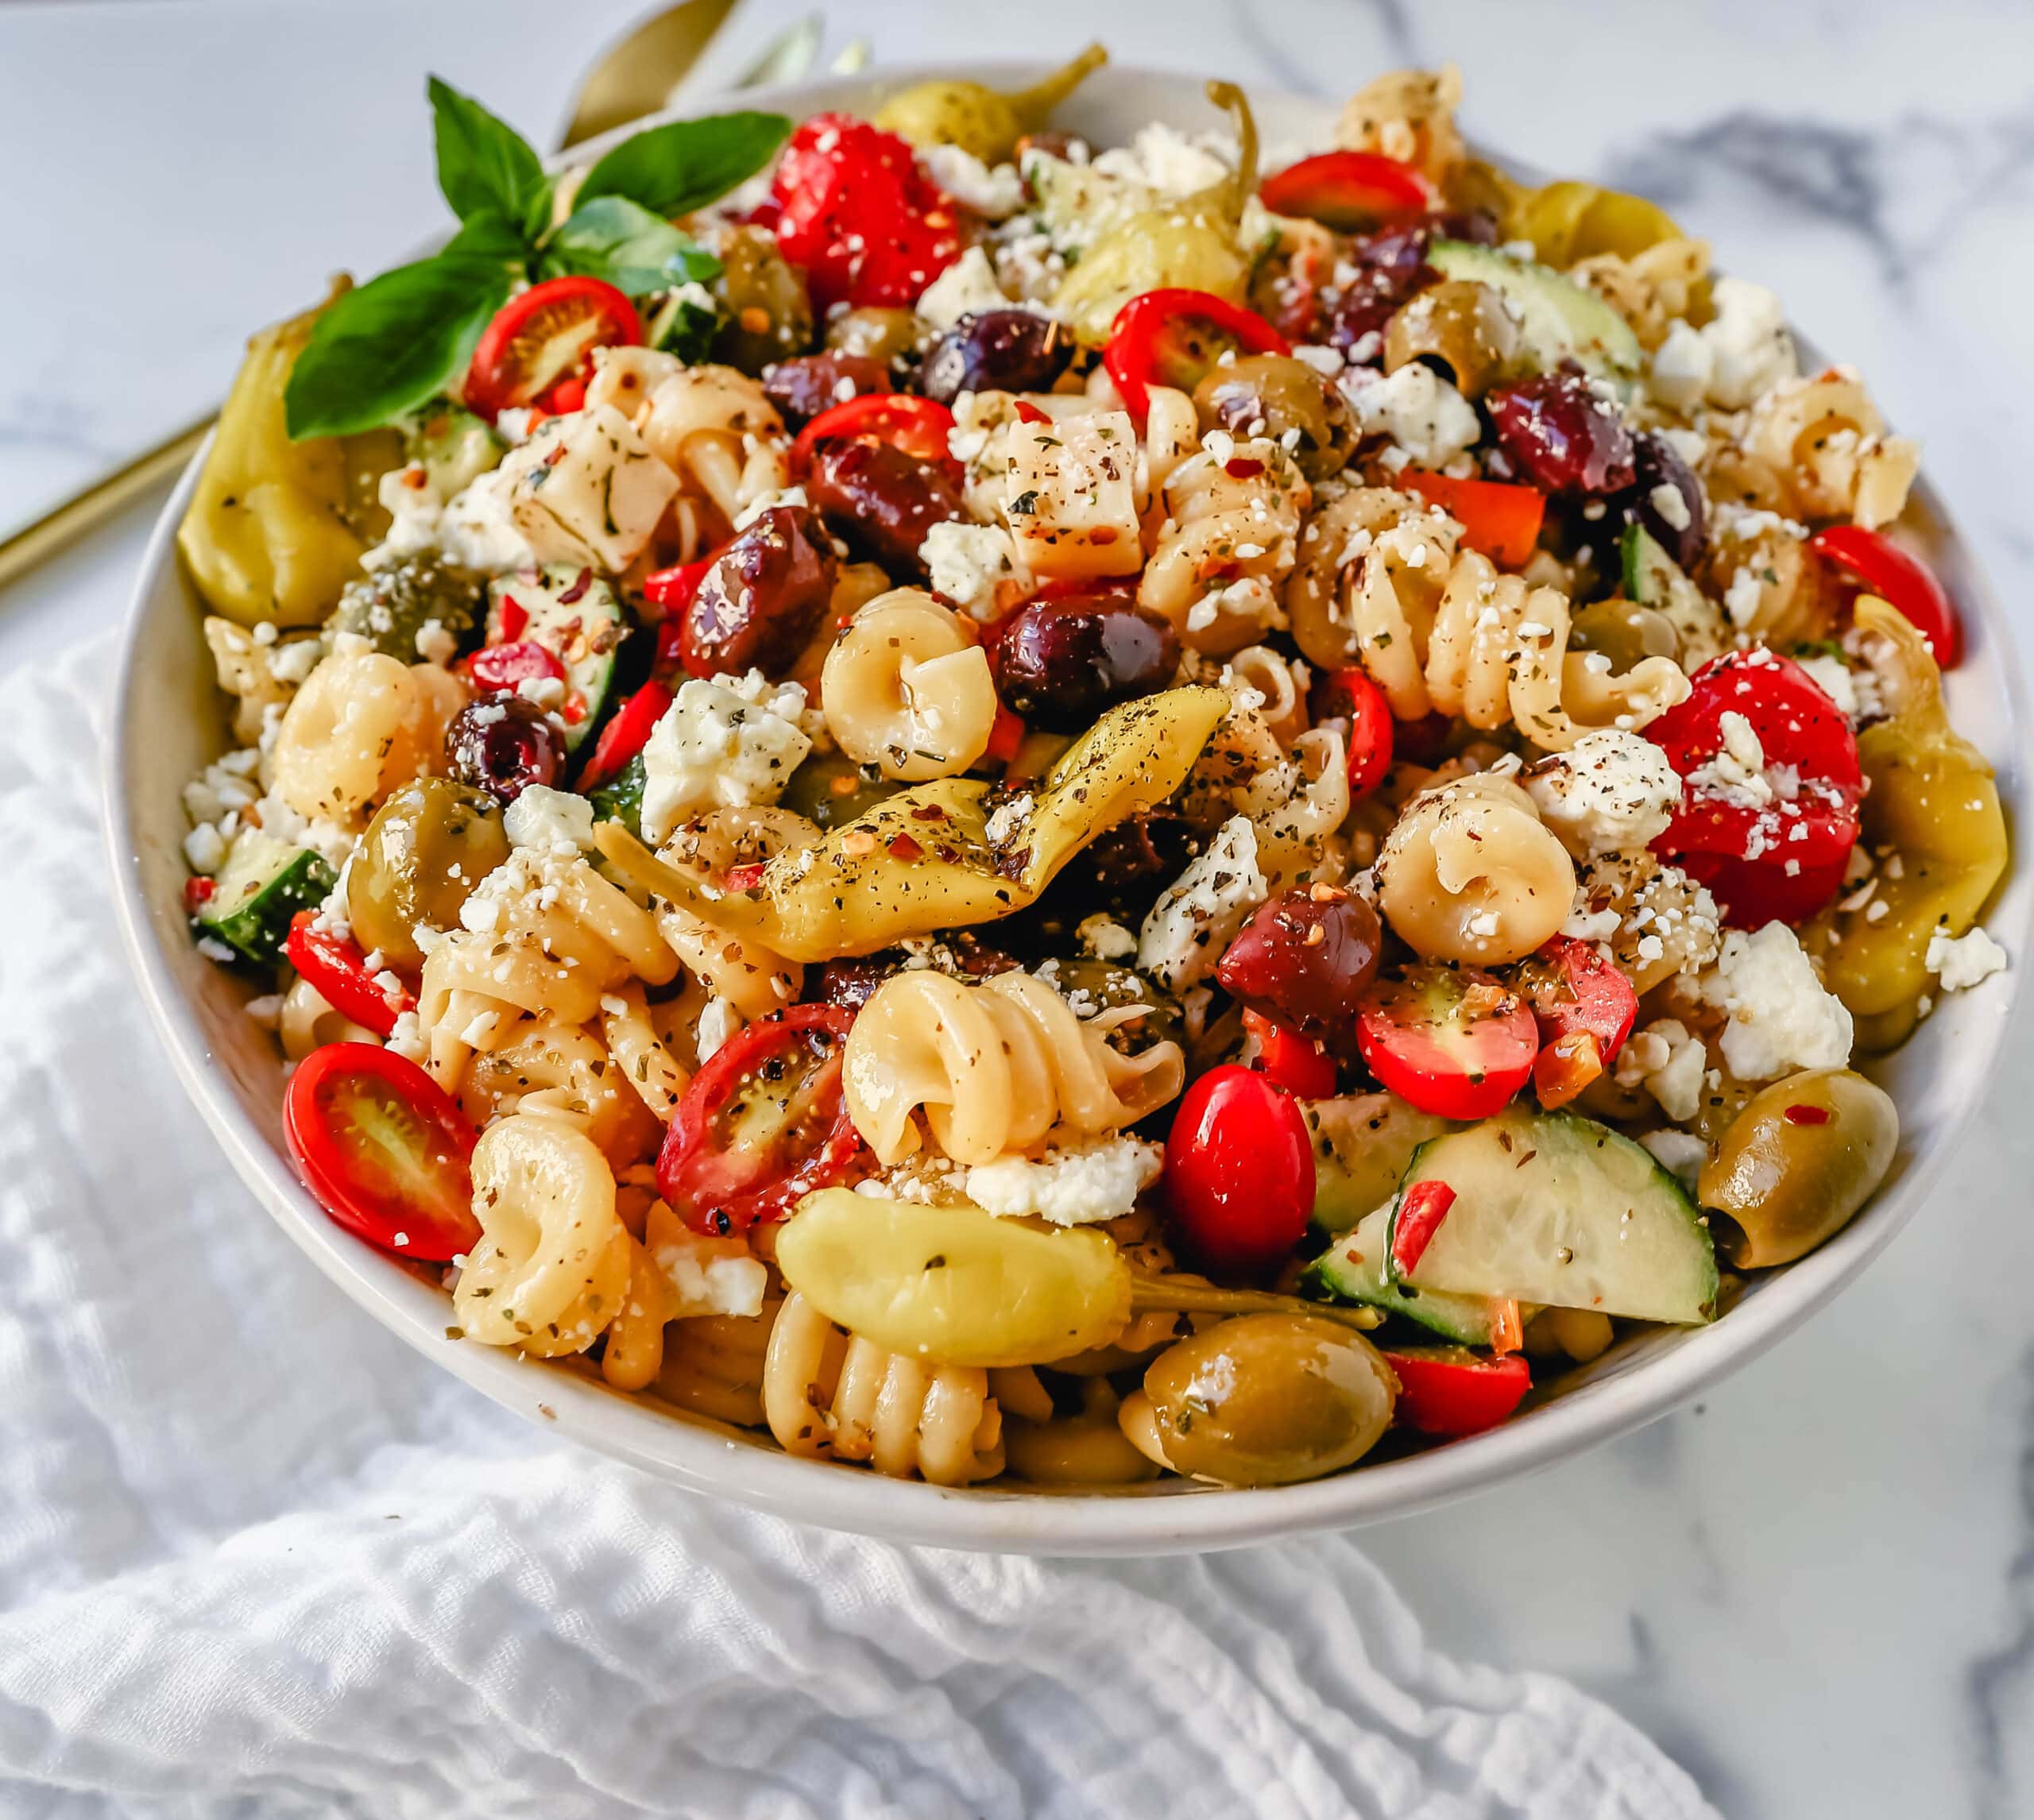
829, 1394
305, 1022
1229, 539
1824, 439
362, 724
995, 1067
907, 689
710, 425
713, 1364
1088, 1448
1408, 115
1650, 289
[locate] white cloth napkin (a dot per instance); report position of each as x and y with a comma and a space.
256, 1558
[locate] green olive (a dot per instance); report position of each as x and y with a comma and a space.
428, 845
1272, 394
830, 790
1268, 1400
763, 297
1626, 633
891, 335
1796, 1165
1459, 325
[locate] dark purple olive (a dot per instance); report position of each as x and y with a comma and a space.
502, 743
881, 500
1563, 438
1060, 662
1478, 227
759, 605
1305, 958
1391, 270
1000, 350
1683, 534
802, 388
851, 982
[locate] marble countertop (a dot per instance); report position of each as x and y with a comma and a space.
1816, 1587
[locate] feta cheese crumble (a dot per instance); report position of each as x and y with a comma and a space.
1071, 1187
731, 743
1202, 911
551, 821
1960, 961
1611, 792
1781, 1017
1417, 408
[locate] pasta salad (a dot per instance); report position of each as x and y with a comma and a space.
1013, 807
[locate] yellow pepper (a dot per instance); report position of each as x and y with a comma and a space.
276, 528
1933, 800
985, 122
924, 859
1567, 221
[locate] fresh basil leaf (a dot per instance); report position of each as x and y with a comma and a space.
621, 241
485, 238
483, 163
674, 168
388, 346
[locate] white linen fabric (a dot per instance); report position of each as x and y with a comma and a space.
256, 1558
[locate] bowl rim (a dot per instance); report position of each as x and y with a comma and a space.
700, 1458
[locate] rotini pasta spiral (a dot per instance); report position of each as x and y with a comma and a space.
713, 1364
829, 1394
1650, 289
710, 425
1469, 873
995, 1067
1229, 539
305, 1022
362, 724
1825, 441
1408, 115
906, 689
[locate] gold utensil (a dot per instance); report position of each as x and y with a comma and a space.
635, 77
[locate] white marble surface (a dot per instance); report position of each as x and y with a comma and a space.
1816, 1588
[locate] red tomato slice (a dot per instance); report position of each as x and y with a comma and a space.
763, 1123
1500, 520
917, 426
1175, 337
384, 1150
1349, 191
546, 335
1238, 1171
626, 735
1456, 1044
1571, 986
1450, 1391
1901, 579
1350, 694
501, 666
1782, 859
1294, 1061
339, 970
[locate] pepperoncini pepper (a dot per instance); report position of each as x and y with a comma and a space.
985, 122
1568, 221
1933, 800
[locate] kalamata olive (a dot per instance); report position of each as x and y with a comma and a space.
1305, 958
1564, 437
428, 845
1264, 1400
502, 743
802, 388
763, 298
1796, 1164
852, 981
1683, 534
1000, 350
1273, 394
1060, 662
759, 605
891, 336
880, 499
1391, 269
1477, 226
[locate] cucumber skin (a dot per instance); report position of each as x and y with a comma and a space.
1577, 1129
1592, 333
1331, 1277
257, 927
593, 675
620, 798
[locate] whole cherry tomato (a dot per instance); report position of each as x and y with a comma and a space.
1455, 1043
1238, 1171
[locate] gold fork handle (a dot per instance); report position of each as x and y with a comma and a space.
105, 498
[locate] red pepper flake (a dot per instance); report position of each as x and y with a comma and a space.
1243, 468
1102, 534
198, 891
575, 709
1028, 413
929, 812
950, 854
1420, 1214
903, 847
1807, 1115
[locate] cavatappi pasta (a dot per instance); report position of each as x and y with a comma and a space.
1084, 828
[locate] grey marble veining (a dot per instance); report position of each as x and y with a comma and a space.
1816, 1588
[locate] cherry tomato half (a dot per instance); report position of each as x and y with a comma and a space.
626, 735
1571, 986
917, 426
1175, 337
1501, 519
339, 970
1765, 861
497, 667
1450, 1391
1349, 191
1901, 579
1454, 1043
1294, 1061
384, 1150
1238, 1171
763, 1123
1350, 694
545, 337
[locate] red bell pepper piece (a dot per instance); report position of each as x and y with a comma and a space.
1425, 1205
1176, 337
626, 735
1501, 519
1901, 579
339, 970
857, 212
1351, 694
1450, 1391
1349, 191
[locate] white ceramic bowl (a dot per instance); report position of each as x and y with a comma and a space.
170, 723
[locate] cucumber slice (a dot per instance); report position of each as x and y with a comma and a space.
1558, 320
1353, 1270
263, 884
1654, 579
1555, 1208
620, 798
573, 615
1361, 1146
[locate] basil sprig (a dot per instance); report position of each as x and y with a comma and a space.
398, 342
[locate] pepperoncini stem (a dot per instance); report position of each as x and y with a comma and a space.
1034, 106
1182, 1295
1242, 185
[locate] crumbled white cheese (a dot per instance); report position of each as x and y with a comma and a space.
1105, 938
552, 821
1668, 502
414, 510
1611, 792
1748, 343
969, 563
478, 531
1681, 1152
1742, 598
1161, 158
204, 848
967, 288
1202, 911
990, 190
1420, 411
718, 1021
1960, 961
1006, 822
1780, 1017
769, 501
1074, 1187
710, 1276
1668, 1061
1832, 676
586, 489
731, 743
1682, 368
434, 644
1736, 773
